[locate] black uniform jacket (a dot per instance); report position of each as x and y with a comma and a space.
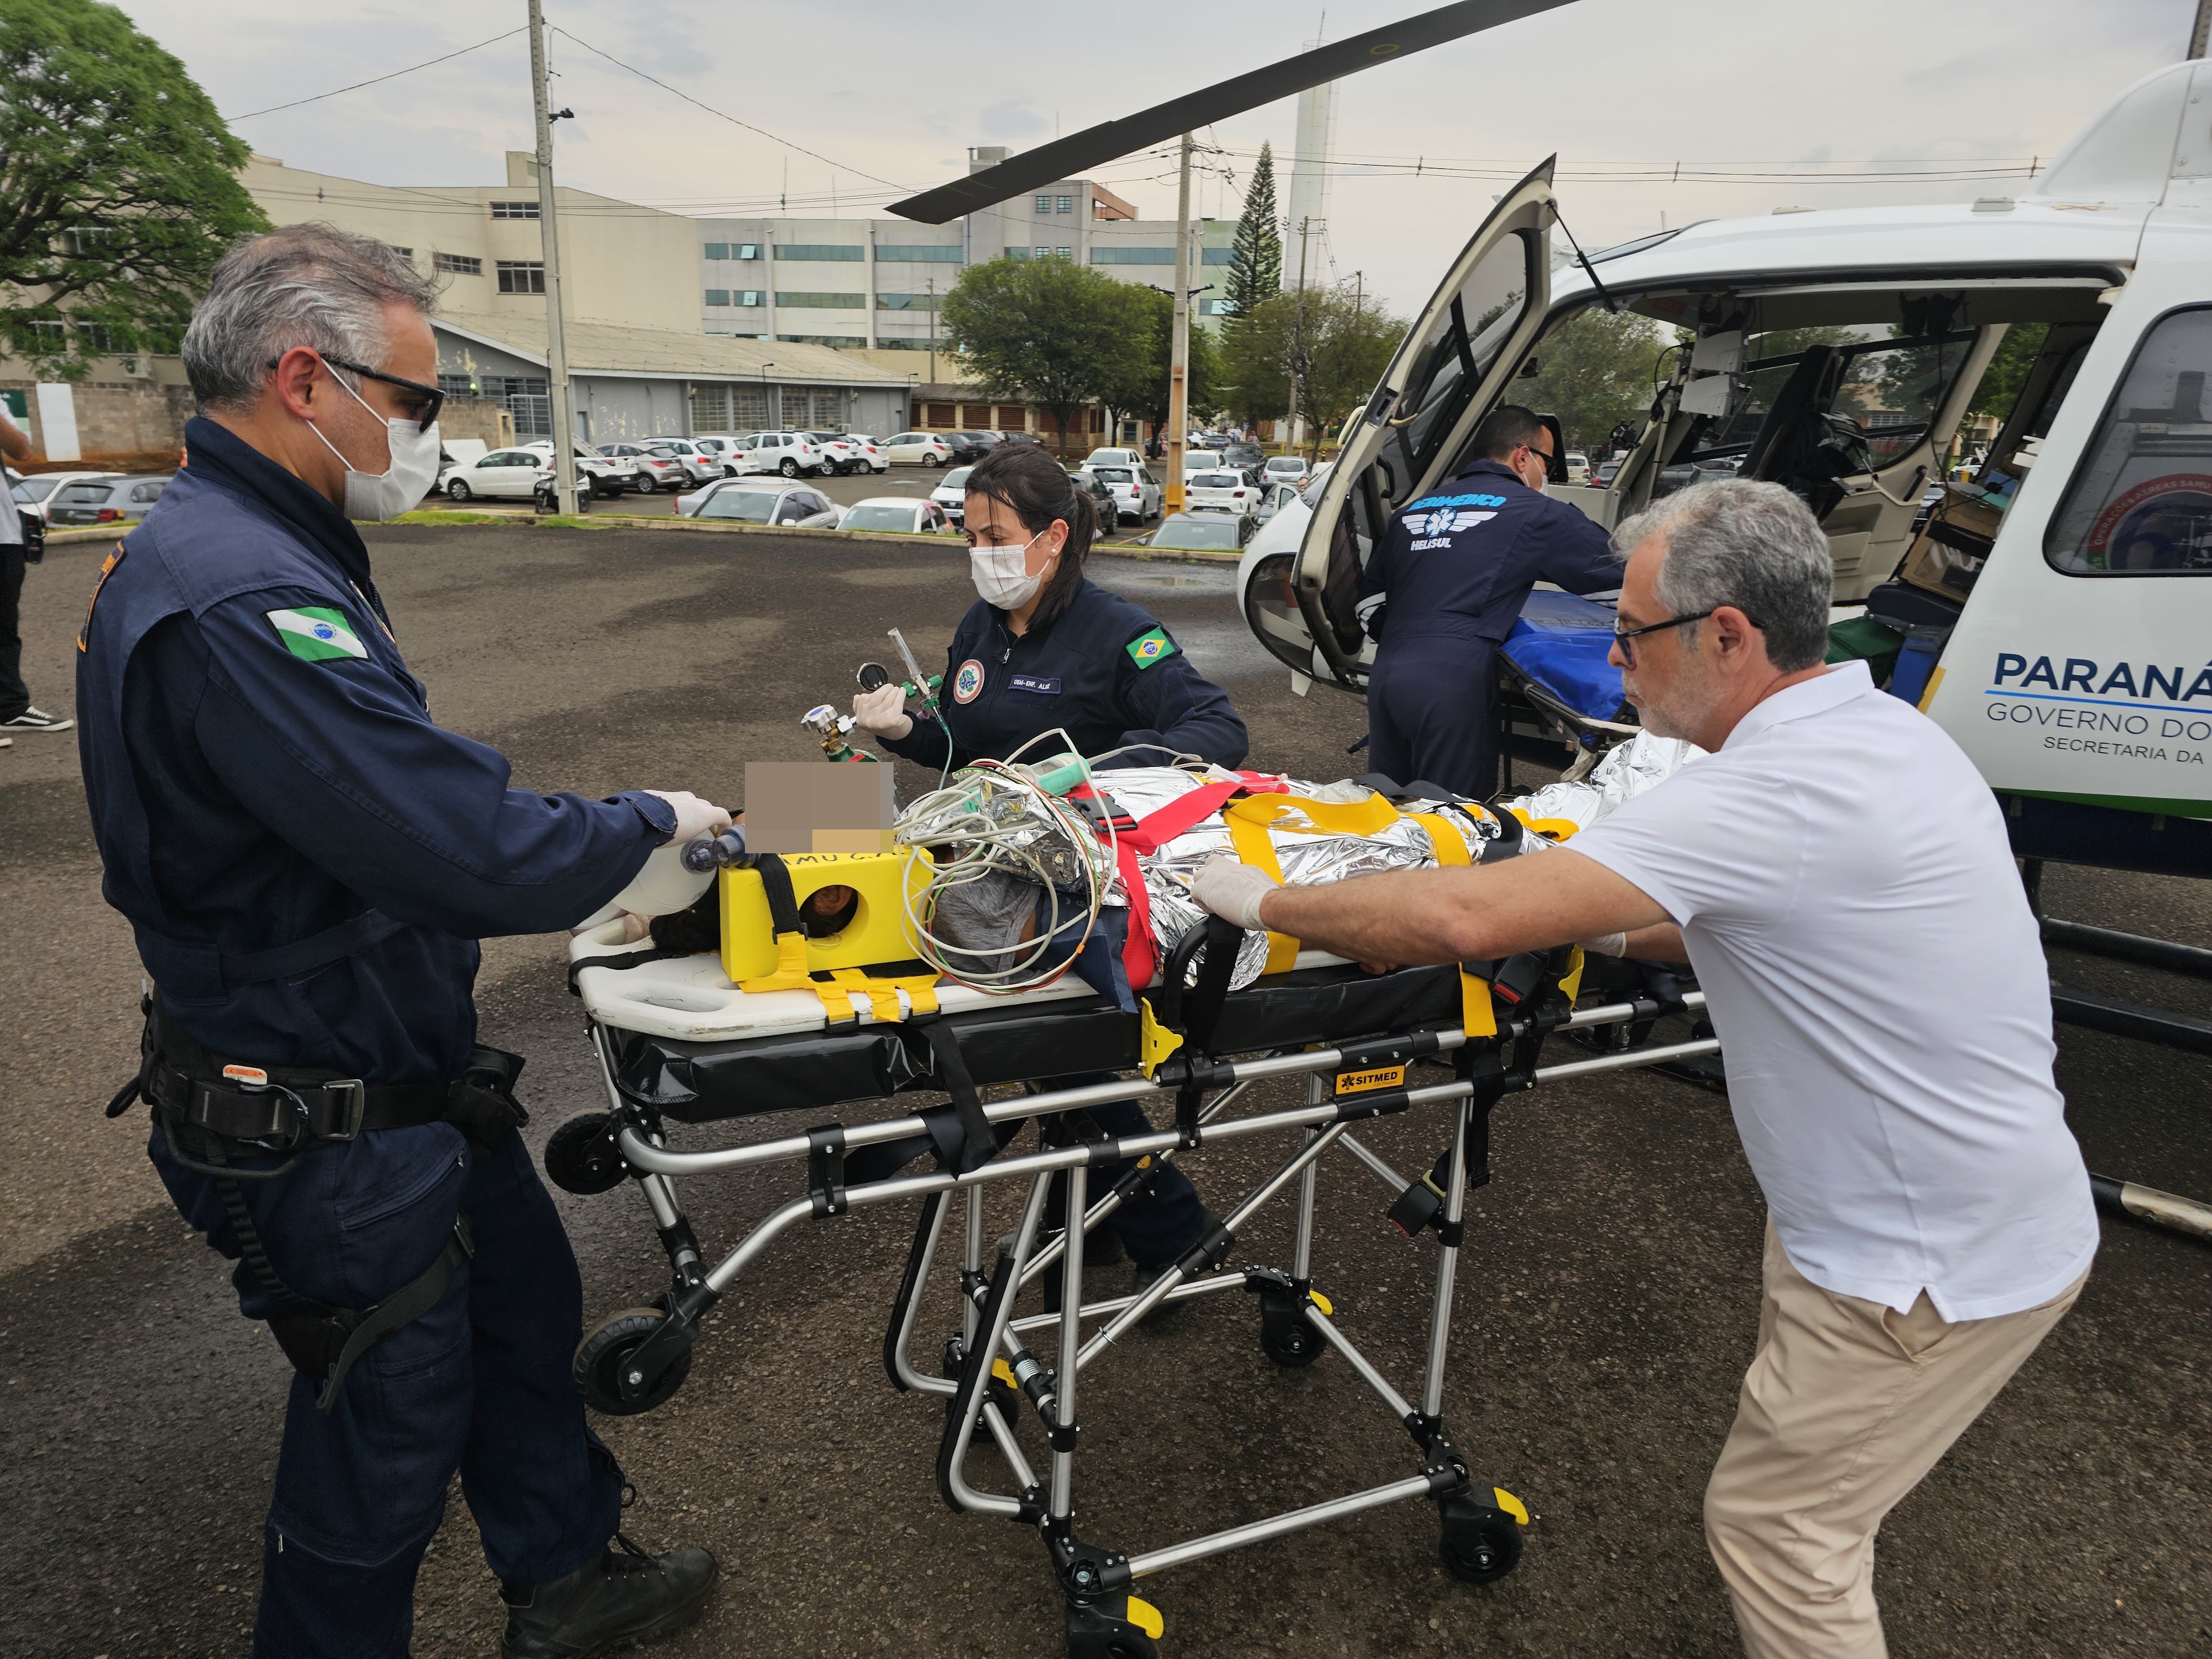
1459, 563
1101, 669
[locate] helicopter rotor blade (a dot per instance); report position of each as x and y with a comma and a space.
1070, 157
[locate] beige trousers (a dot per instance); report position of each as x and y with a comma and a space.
1846, 1405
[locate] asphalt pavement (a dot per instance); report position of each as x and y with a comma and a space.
1608, 1291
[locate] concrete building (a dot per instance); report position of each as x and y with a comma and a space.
1309, 172
875, 284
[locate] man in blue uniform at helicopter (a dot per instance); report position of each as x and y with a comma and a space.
307, 861
1445, 588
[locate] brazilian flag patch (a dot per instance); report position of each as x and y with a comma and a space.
1148, 648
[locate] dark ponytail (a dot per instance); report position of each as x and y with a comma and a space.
1032, 486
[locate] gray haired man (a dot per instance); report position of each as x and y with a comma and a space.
1881, 1002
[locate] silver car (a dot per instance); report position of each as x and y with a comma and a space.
110, 501
699, 466
756, 500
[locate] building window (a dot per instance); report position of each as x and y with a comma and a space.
944, 414
514, 209
718, 296
1216, 308
1062, 254
528, 400
975, 417
1133, 255
718, 250
1218, 256
1044, 205
851, 252
1020, 253
459, 263
1041, 252
909, 301
824, 302
732, 407
404, 252
825, 407
933, 256
748, 297
1010, 417
885, 342
458, 385
745, 250
521, 276
1064, 204
846, 342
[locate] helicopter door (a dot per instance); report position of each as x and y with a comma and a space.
1451, 367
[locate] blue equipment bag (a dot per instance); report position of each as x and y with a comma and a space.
1559, 646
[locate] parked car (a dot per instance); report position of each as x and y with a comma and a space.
458, 452
841, 455
501, 475
1578, 467
1310, 486
801, 507
918, 449
790, 453
1200, 461
1022, 438
1244, 456
1224, 488
951, 492
103, 501
34, 492
967, 447
1605, 471
869, 451
901, 513
1134, 492
607, 475
652, 471
1273, 498
699, 466
1213, 532
1112, 458
1102, 497
1286, 469
724, 447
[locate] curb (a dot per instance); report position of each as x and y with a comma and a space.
684, 526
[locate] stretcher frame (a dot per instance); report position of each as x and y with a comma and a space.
990, 1368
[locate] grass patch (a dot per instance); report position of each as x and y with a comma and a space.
438, 516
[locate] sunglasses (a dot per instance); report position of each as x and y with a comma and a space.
424, 413
1622, 636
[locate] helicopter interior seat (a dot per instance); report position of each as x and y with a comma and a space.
1801, 445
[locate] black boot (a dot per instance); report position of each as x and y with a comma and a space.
623, 1595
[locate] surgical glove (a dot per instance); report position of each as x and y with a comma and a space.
694, 817
1605, 945
1233, 891
881, 713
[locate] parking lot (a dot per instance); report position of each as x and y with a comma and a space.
1609, 1293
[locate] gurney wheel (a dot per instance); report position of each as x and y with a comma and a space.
583, 1156
1290, 1344
1480, 1548
601, 1356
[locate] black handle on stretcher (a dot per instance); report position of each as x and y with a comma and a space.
1196, 1014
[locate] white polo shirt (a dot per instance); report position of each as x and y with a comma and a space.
1841, 876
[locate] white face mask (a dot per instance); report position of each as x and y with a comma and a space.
1000, 577
414, 469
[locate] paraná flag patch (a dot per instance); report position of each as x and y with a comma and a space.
316, 633
1148, 648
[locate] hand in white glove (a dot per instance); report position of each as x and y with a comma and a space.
1233, 891
881, 713
1605, 945
694, 817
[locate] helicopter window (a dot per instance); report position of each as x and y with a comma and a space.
2140, 504
1876, 406
1447, 366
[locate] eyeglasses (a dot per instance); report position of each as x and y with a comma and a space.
1622, 636
424, 413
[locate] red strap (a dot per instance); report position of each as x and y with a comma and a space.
1139, 959
1155, 829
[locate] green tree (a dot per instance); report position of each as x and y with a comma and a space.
1256, 258
119, 187
2008, 370
1593, 372
1335, 342
1141, 390
1050, 332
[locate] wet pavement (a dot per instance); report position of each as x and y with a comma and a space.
1608, 1291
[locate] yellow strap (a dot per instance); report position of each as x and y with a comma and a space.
1477, 1018
1328, 818
1253, 847
1450, 847
1155, 1041
1570, 982
1550, 828
790, 973
883, 994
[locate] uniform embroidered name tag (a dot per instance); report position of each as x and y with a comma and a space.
1048, 688
316, 633
1148, 648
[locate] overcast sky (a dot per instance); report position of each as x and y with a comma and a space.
899, 90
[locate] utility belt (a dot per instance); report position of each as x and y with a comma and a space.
214, 1111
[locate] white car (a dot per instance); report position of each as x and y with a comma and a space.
501, 474
799, 507
33, 492
699, 466
918, 449
1201, 460
604, 475
1286, 469
1112, 458
1226, 488
1578, 467
870, 455
724, 447
1136, 494
789, 454
1273, 498
951, 494
844, 454
901, 513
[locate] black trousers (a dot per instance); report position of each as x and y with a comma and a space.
14, 696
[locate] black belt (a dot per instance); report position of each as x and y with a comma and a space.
247, 1107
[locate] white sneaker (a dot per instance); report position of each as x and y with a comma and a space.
36, 719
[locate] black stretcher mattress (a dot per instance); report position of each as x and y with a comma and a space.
708, 1082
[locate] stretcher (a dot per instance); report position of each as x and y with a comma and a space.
682, 1050
1557, 683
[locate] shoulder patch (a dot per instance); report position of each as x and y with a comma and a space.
1150, 647
107, 569
316, 633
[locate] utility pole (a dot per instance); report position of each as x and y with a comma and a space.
556, 346
1298, 345
933, 331
2200, 34
1179, 342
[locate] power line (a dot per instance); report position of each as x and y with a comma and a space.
373, 80
725, 115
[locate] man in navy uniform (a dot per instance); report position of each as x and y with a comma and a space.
1443, 590
307, 861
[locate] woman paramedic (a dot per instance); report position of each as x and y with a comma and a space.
1044, 647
